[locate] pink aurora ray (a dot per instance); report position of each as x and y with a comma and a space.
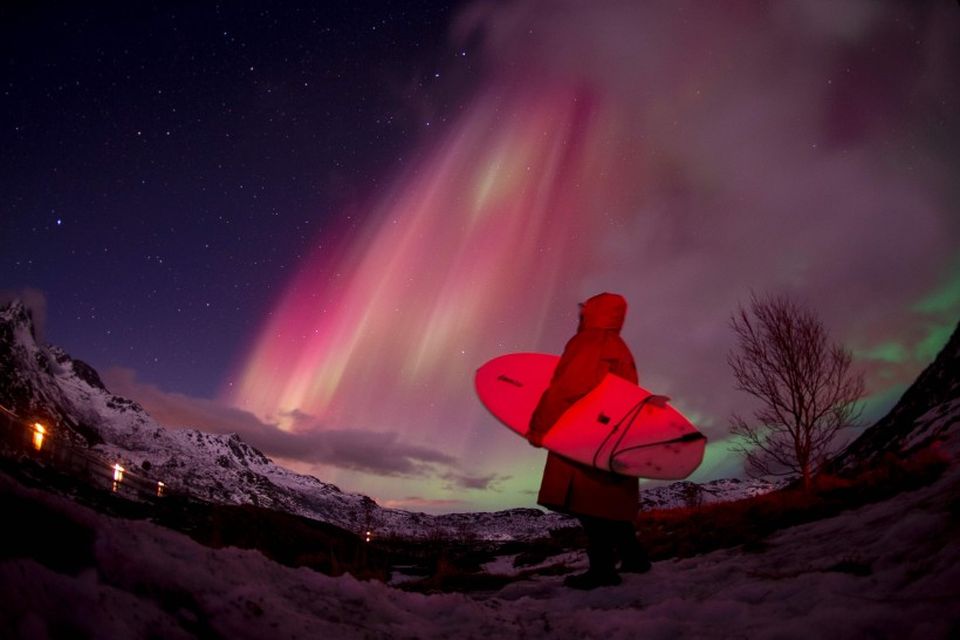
461, 261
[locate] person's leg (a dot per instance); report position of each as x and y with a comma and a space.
600, 541
632, 554
600, 544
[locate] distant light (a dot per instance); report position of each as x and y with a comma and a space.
38, 433
117, 476
160, 488
59, 221
368, 536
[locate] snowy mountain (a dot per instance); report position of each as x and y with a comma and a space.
28, 376
928, 412
45, 383
692, 494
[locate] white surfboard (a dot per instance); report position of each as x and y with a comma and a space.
617, 427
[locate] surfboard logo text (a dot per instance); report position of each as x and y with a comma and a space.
504, 378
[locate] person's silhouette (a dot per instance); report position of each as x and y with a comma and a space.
605, 503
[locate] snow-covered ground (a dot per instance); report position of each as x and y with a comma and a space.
888, 570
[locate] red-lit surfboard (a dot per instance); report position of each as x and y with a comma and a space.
615, 427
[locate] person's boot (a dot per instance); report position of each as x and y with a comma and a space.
591, 580
638, 564
634, 556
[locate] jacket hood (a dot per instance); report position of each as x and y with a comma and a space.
603, 311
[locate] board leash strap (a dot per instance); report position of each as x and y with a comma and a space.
629, 418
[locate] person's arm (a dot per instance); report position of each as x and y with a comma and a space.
579, 370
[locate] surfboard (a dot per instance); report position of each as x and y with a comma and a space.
618, 426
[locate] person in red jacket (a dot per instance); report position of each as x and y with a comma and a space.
606, 503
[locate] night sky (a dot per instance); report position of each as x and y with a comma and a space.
165, 169
311, 222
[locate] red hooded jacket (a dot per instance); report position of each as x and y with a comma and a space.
595, 350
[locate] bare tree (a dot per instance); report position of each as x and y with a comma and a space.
806, 389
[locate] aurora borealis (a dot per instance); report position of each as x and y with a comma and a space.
462, 258
679, 153
480, 236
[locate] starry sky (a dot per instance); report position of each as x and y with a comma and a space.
310, 222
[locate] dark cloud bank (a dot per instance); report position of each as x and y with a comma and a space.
376, 452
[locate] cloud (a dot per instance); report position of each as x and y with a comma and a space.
297, 419
483, 482
433, 505
375, 452
786, 147
381, 453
